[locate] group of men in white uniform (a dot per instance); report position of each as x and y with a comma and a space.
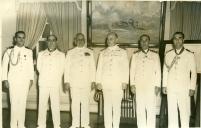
111, 76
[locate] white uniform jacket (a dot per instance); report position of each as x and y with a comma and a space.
50, 66
80, 67
113, 68
145, 72
179, 72
17, 65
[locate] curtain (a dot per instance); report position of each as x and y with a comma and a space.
185, 17
65, 21
31, 19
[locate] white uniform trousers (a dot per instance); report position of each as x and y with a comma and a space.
80, 95
145, 106
18, 97
112, 107
175, 102
44, 94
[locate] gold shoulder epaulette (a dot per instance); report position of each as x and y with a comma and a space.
102, 49
41, 51
169, 51
10, 47
153, 51
60, 50
28, 48
136, 51
122, 48
189, 51
70, 49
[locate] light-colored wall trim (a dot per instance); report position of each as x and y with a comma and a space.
167, 22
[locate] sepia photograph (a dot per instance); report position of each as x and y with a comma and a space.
100, 64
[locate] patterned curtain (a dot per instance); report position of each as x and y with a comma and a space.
31, 19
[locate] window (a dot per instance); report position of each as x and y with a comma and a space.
42, 45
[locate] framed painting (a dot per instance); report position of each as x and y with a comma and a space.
129, 19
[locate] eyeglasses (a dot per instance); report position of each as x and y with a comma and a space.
20, 37
51, 40
80, 39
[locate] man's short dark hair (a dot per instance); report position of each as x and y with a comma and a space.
19, 32
145, 36
112, 33
181, 33
78, 35
53, 36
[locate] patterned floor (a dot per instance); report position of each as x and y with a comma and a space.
95, 121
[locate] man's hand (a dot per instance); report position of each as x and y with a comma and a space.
124, 86
133, 89
66, 87
164, 89
30, 84
191, 92
157, 90
99, 86
6, 83
93, 86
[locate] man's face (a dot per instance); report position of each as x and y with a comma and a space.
111, 40
52, 45
178, 41
19, 39
144, 42
80, 41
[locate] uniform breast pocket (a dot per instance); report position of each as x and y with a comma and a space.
86, 59
75, 59
151, 61
106, 59
117, 57
183, 63
138, 60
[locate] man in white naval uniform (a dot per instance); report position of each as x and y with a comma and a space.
179, 81
79, 76
50, 65
18, 76
145, 80
112, 77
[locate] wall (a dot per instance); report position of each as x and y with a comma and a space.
8, 24
8, 15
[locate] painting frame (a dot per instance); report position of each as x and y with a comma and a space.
90, 33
